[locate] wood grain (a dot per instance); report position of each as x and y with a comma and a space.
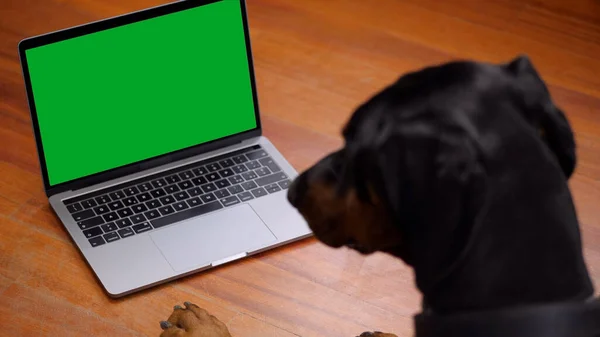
315, 62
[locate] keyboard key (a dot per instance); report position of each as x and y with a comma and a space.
125, 232
145, 187
213, 167
245, 196
166, 210
173, 179
235, 189
101, 210
208, 198
143, 227
187, 175
270, 163
239, 169
80, 216
157, 193
159, 183
220, 194
92, 222
184, 185
194, 202
115, 205
97, 241
250, 185
284, 184
199, 181
167, 200
257, 154
172, 189
253, 165
189, 213
212, 176
112, 216
109, 227
139, 208
230, 201
130, 201
144, 197
209, 187
195, 191
259, 192
122, 223
117, 195
89, 203
110, 237
272, 188
240, 159
227, 163
180, 206
103, 199
263, 171
223, 183
138, 218
226, 173
123, 213
250, 175
152, 204
90, 233
181, 196
270, 179
153, 214
129, 191
236, 179
200, 171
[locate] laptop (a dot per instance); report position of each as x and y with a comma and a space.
150, 143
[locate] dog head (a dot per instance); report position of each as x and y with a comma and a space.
417, 156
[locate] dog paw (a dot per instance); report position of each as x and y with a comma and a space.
376, 334
192, 321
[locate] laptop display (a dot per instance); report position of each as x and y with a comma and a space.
130, 93
150, 143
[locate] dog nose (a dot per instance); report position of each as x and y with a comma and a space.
297, 190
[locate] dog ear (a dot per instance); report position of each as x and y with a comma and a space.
543, 114
435, 185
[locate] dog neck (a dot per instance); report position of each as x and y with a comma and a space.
569, 319
505, 259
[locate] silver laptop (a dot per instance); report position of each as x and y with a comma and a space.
150, 143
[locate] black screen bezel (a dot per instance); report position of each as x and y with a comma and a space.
114, 22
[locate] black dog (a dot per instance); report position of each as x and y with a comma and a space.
461, 171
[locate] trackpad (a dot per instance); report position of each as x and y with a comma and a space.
200, 241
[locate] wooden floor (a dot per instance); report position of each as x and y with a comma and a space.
316, 60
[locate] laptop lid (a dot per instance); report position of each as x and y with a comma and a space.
125, 94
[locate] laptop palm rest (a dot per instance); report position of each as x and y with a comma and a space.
202, 240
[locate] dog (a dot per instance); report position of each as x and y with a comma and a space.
461, 171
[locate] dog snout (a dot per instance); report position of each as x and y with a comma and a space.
297, 191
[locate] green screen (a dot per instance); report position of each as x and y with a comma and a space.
134, 92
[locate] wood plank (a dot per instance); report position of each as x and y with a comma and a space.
19, 185
7, 206
405, 21
40, 315
294, 303
4, 284
315, 62
140, 312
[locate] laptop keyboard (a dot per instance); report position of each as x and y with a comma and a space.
159, 200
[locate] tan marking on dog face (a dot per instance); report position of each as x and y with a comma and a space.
347, 220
